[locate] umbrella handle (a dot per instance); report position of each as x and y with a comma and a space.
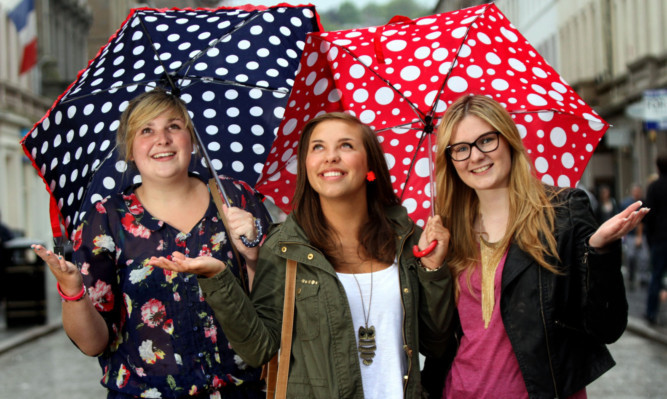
421, 253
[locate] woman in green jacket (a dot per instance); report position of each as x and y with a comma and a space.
365, 306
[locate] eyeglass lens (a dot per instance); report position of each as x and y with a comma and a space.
485, 143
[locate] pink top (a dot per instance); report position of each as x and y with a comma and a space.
485, 365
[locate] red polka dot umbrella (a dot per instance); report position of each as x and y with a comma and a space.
401, 77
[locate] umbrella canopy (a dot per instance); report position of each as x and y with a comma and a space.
233, 67
400, 79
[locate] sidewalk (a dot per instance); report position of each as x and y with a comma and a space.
14, 337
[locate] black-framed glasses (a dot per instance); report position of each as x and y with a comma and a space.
485, 143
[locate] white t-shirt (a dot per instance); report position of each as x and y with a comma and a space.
384, 377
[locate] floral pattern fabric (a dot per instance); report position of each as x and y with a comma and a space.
164, 341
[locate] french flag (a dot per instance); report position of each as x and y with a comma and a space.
25, 19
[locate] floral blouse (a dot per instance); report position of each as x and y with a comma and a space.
164, 341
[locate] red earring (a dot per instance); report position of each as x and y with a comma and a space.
370, 176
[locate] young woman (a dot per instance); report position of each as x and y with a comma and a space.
539, 288
154, 334
365, 306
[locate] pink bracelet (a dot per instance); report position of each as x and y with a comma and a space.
74, 298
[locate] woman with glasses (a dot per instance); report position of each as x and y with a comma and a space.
539, 288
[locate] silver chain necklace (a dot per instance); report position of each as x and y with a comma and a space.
367, 345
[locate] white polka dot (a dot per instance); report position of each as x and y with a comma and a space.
536, 100
457, 84
410, 73
384, 96
410, 205
474, 71
493, 59
567, 160
500, 84
517, 65
367, 116
482, 37
440, 54
321, 86
109, 183
360, 96
539, 72
397, 45
422, 53
459, 33
541, 165
511, 36
391, 161
546, 116
563, 181
422, 168
558, 137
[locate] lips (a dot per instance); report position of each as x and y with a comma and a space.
482, 169
163, 155
332, 173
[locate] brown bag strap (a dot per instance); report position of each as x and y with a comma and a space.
278, 368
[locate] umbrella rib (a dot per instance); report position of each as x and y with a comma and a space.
157, 54
214, 43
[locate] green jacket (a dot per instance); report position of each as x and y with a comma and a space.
325, 360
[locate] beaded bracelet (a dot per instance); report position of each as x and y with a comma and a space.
257, 240
79, 296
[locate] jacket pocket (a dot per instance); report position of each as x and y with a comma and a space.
307, 310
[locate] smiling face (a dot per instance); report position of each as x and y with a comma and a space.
482, 171
162, 147
336, 162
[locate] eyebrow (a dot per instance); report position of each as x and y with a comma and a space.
468, 142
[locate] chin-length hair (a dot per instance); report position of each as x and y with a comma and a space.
144, 108
531, 215
376, 237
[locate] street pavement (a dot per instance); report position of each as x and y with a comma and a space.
40, 361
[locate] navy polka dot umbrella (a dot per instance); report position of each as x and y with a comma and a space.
233, 66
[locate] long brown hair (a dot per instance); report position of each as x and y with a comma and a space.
377, 236
531, 217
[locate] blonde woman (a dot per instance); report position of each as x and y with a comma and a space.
538, 284
152, 331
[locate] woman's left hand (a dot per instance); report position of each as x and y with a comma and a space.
618, 226
206, 266
434, 230
242, 223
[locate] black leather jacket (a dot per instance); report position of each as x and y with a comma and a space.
558, 325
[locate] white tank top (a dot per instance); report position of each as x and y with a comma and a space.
384, 377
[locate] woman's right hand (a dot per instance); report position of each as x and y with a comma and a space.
434, 230
206, 266
66, 273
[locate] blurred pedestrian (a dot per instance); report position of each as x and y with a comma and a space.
5, 255
539, 285
656, 235
635, 247
152, 331
607, 206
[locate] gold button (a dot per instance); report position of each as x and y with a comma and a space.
284, 249
310, 256
406, 290
298, 292
405, 377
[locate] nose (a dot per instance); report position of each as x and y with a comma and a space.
332, 156
163, 136
476, 153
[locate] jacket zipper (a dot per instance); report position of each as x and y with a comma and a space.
546, 334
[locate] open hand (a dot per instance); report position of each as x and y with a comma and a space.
206, 266
66, 273
618, 226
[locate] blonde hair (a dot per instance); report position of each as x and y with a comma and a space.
532, 216
143, 109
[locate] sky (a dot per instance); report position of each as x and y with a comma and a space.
324, 5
